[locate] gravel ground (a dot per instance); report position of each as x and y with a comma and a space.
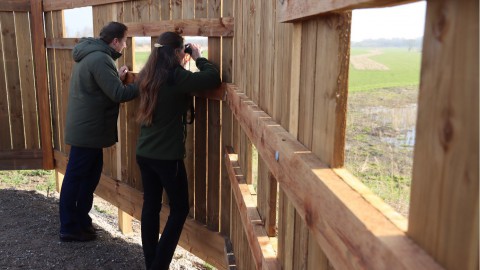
29, 237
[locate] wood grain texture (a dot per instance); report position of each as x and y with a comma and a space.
331, 87
352, 233
444, 200
12, 77
51, 5
290, 10
257, 238
15, 5
27, 81
5, 136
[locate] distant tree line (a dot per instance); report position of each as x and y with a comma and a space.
396, 42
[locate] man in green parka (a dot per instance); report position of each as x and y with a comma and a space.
96, 89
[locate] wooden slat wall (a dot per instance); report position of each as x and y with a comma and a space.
19, 119
282, 68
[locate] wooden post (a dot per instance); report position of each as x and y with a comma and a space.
444, 200
125, 222
41, 81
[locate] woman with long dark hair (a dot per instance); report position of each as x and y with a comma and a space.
165, 90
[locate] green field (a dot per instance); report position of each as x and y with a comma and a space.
404, 70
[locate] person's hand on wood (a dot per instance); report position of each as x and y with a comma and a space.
123, 72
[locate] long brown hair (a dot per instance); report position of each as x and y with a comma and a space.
158, 70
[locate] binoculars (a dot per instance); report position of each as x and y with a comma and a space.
188, 49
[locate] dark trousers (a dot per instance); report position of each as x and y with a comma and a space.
156, 176
76, 197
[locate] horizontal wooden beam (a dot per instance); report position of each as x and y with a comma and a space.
61, 43
215, 27
50, 5
352, 233
215, 94
15, 5
262, 250
291, 10
21, 159
195, 238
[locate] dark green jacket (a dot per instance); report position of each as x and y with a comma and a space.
95, 93
165, 138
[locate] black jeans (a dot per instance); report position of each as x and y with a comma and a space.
76, 197
156, 176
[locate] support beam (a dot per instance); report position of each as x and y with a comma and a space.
50, 5
214, 27
39, 53
21, 159
125, 222
291, 10
15, 5
61, 43
345, 225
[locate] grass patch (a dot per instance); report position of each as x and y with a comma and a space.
40, 180
404, 70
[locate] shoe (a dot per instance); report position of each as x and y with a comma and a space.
90, 230
77, 237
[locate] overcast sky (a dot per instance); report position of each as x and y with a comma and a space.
405, 21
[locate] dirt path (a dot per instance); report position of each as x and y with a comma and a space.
29, 237
363, 62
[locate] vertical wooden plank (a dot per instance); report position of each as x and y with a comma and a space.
316, 258
13, 80
37, 24
190, 143
177, 9
225, 186
52, 85
214, 129
120, 146
331, 85
101, 16
141, 10
281, 93
201, 154
266, 57
444, 200
307, 82
300, 246
295, 78
267, 197
256, 10
188, 9
227, 123
165, 9
5, 138
58, 29
27, 83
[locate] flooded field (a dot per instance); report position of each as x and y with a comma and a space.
380, 140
